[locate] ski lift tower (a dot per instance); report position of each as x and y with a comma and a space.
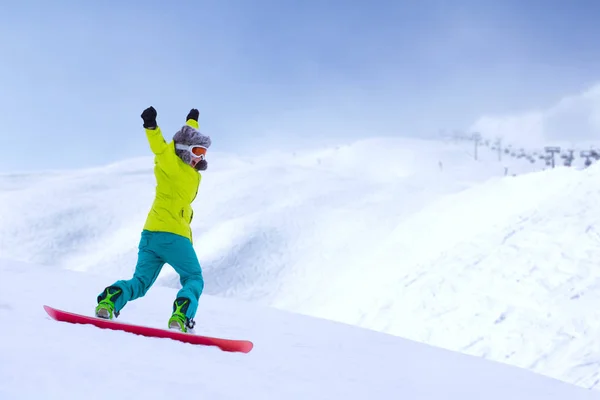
499, 146
552, 151
476, 139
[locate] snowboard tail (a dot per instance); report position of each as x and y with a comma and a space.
229, 345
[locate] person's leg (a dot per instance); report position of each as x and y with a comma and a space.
149, 265
182, 257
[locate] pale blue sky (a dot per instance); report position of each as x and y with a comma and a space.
75, 75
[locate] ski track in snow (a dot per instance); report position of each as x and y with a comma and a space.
372, 234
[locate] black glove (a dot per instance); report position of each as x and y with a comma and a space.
201, 165
193, 114
149, 117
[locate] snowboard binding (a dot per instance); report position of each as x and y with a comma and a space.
106, 303
179, 320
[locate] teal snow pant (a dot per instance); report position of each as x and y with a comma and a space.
154, 250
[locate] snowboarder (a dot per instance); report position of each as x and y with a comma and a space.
166, 236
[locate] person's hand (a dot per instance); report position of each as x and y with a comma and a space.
193, 114
149, 117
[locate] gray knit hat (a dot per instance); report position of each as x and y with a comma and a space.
189, 136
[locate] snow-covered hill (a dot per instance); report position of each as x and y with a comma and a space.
407, 237
295, 357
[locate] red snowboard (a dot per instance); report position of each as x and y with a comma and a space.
242, 346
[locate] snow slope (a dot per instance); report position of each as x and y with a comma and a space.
405, 237
295, 357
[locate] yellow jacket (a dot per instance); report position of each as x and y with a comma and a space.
176, 187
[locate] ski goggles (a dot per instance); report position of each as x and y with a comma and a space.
196, 150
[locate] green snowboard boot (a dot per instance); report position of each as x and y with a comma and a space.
179, 320
106, 303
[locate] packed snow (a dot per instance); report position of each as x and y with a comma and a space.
295, 357
362, 270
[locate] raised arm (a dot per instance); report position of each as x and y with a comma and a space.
155, 138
